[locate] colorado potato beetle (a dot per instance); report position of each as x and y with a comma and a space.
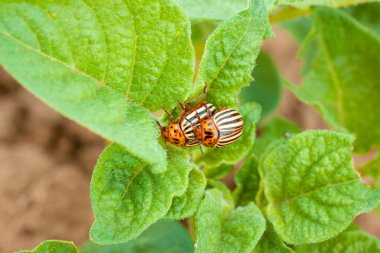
181, 132
219, 129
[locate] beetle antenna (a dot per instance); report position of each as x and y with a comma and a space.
169, 114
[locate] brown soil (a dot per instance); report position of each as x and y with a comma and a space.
46, 161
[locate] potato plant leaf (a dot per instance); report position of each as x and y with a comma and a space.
303, 4
351, 241
185, 205
127, 197
230, 54
212, 9
276, 128
312, 189
265, 89
89, 62
53, 246
367, 14
158, 238
247, 181
234, 152
218, 172
271, 242
344, 50
221, 228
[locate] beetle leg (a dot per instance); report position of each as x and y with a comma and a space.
209, 114
200, 147
169, 114
200, 96
223, 108
184, 108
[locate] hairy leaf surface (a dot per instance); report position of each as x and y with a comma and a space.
212, 9
344, 50
230, 54
312, 189
271, 242
158, 238
89, 61
221, 228
127, 197
185, 205
53, 246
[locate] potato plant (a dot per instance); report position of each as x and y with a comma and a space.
112, 66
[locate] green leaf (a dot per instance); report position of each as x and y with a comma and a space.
312, 189
266, 87
127, 197
235, 151
89, 60
185, 205
158, 238
218, 172
351, 241
276, 128
222, 229
344, 49
303, 4
367, 14
53, 246
212, 9
247, 182
230, 54
271, 242
298, 27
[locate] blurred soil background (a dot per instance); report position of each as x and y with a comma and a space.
46, 160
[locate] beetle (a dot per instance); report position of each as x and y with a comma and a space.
180, 132
220, 128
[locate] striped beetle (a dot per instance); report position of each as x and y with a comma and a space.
180, 132
203, 124
220, 128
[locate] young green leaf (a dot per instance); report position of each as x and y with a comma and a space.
276, 128
237, 150
271, 242
212, 9
247, 182
367, 14
185, 205
266, 87
221, 229
298, 27
351, 241
312, 189
305, 4
158, 238
341, 61
230, 54
218, 172
127, 197
53, 246
87, 59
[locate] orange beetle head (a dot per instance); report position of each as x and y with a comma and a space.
173, 134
